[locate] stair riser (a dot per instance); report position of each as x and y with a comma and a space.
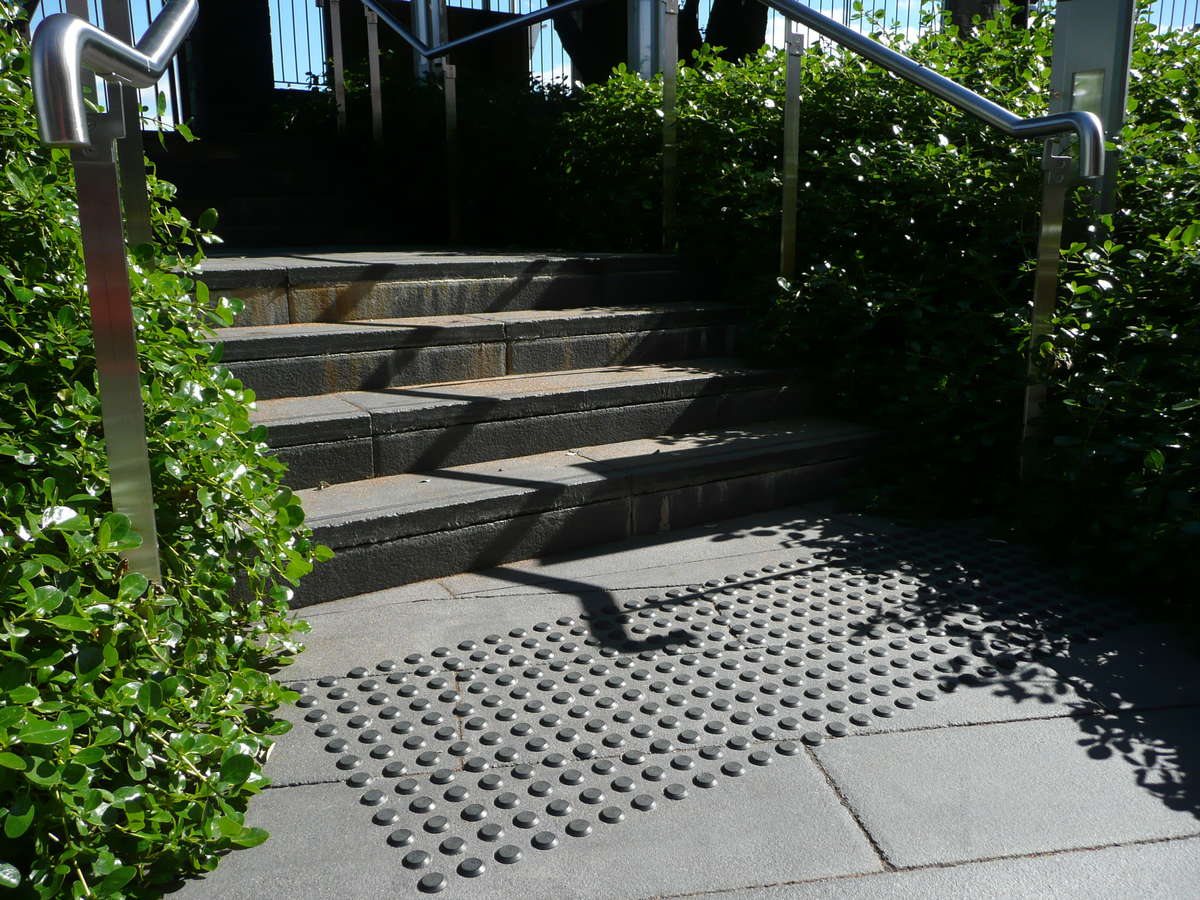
470, 548
493, 494
333, 463
427, 449
281, 304
378, 335
311, 375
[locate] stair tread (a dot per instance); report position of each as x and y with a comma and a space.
353, 413
318, 266
252, 342
388, 507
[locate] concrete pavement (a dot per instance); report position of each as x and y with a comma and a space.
791, 705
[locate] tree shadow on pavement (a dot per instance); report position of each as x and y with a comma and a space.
1030, 639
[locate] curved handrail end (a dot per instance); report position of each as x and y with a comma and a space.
1086, 125
64, 45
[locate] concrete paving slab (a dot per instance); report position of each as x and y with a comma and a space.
952, 691
1169, 870
684, 557
851, 669
952, 794
402, 621
611, 830
340, 729
320, 847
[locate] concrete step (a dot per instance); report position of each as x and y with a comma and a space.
321, 358
364, 434
290, 287
399, 529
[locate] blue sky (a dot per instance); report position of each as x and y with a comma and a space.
298, 38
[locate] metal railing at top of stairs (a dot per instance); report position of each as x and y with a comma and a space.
64, 45
1087, 126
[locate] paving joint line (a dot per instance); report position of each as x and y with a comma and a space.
1098, 710
887, 864
854, 876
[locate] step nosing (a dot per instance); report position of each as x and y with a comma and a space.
291, 341
312, 270
461, 410
389, 536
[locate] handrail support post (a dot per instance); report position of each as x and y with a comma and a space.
791, 154
669, 58
453, 151
373, 66
64, 48
1055, 187
338, 53
122, 413
131, 161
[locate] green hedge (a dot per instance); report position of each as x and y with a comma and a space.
133, 717
916, 234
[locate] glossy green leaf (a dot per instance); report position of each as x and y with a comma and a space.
12, 761
10, 876
236, 769
42, 732
251, 837
18, 820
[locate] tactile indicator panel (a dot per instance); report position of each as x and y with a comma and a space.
508, 745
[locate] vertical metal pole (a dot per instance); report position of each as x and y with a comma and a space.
575, 79
437, 20
669, 48
453, 157
642, 18
373, 65
116, 349
79, 9
339, 61
1045, 293
421, 27
791, 154
131, 159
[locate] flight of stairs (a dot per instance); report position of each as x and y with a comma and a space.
444, 412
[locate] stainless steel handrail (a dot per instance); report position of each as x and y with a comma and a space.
393, 23
64, 45
538, 15
1085, 124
